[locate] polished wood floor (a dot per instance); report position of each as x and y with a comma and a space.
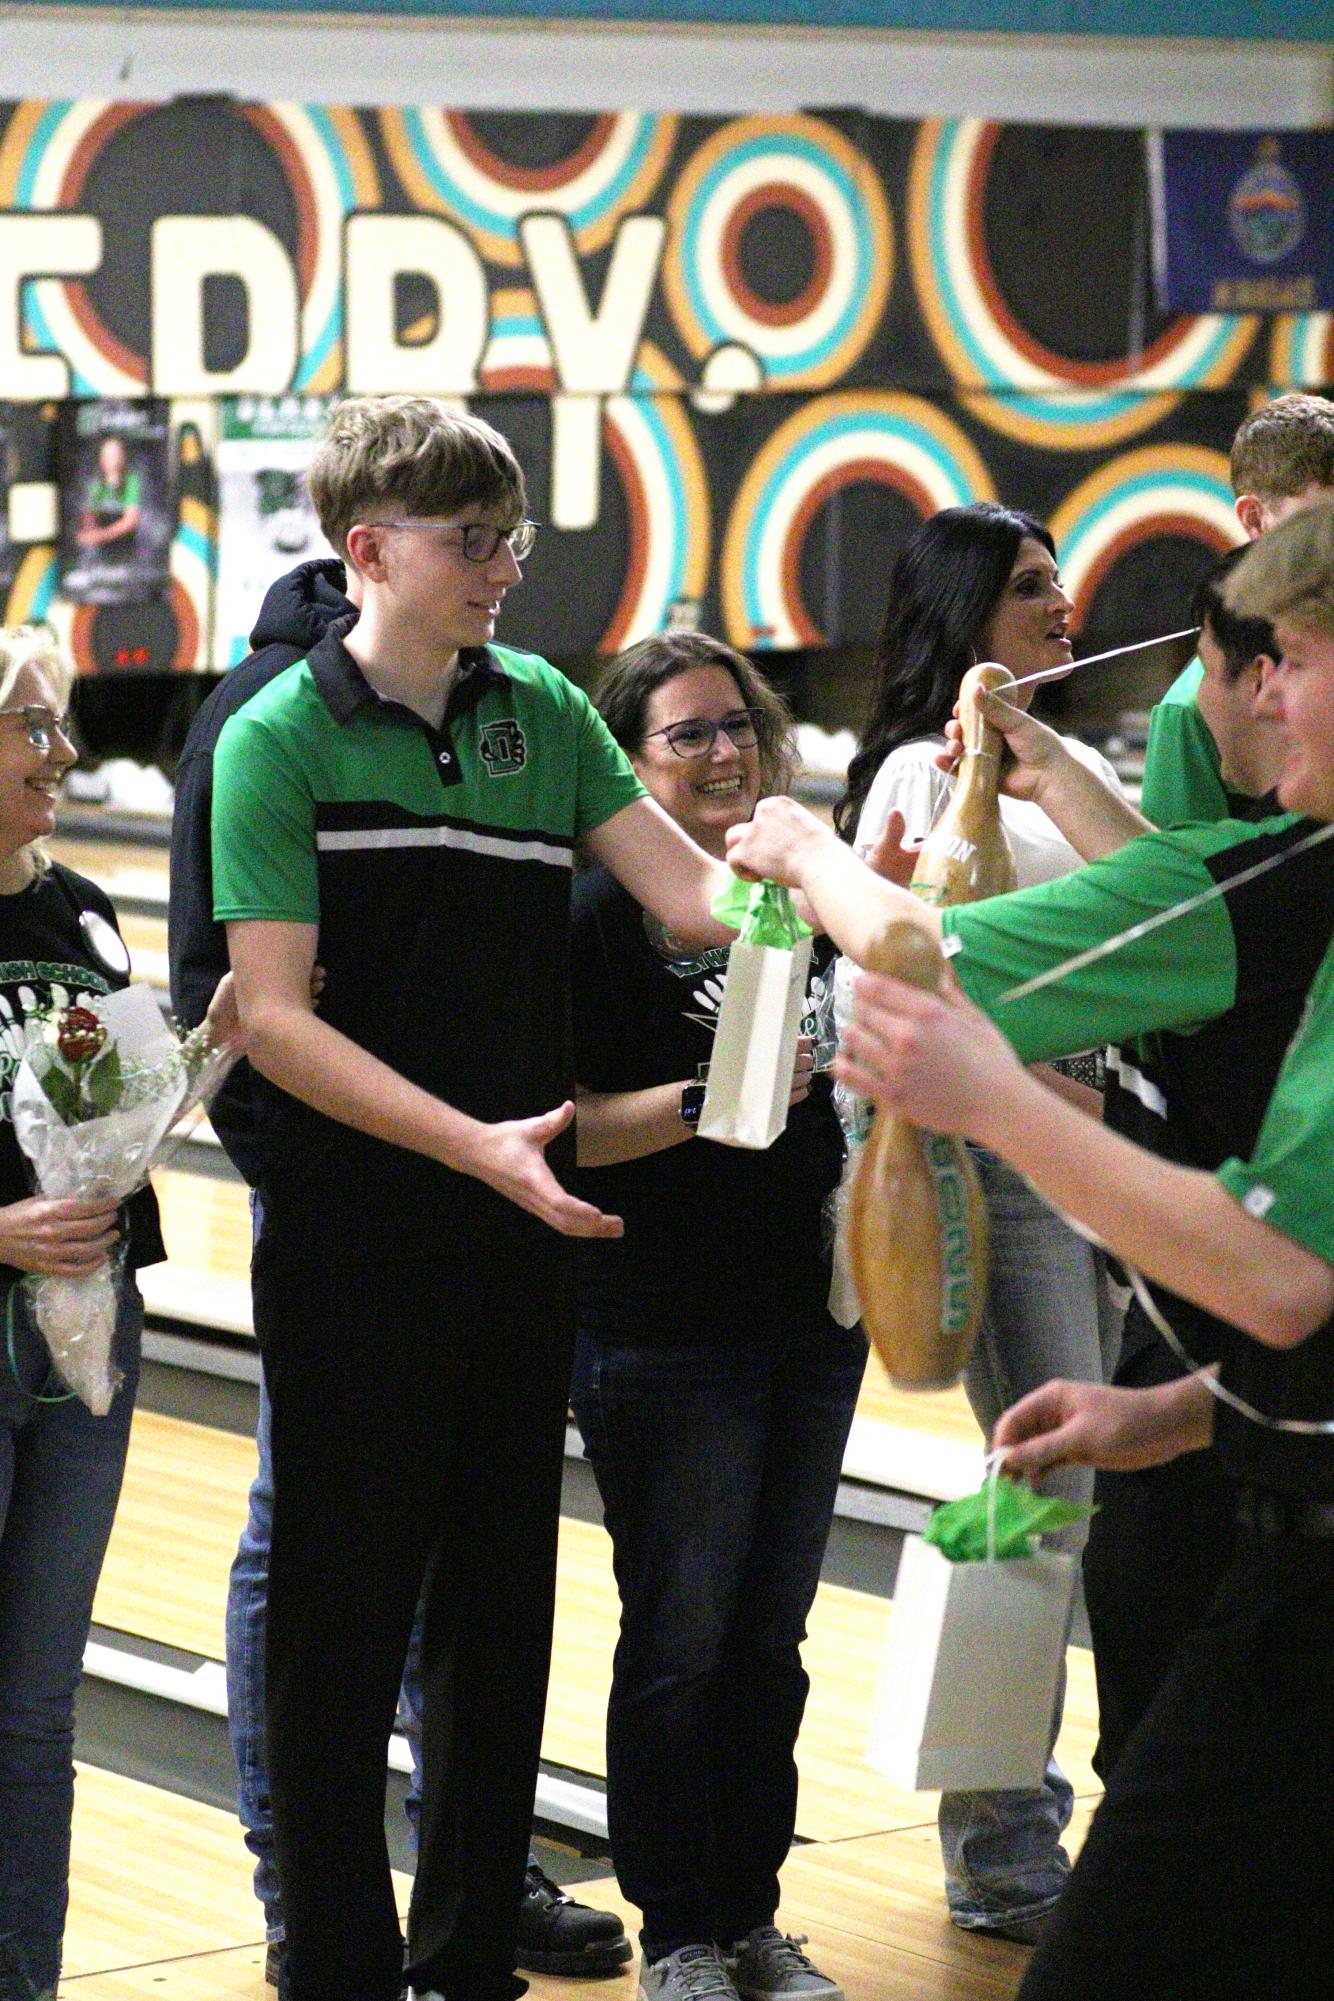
165, 1579
161, 1910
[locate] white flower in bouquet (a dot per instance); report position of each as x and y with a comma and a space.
101, 1097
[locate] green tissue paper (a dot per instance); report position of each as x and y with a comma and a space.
960, 1529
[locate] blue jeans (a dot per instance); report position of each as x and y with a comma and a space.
60, 1476
247, 1619
1049, 1313
718, 1468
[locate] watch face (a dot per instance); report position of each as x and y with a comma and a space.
692, 1103
104, 942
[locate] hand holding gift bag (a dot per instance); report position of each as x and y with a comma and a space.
755, 1046
970, 1670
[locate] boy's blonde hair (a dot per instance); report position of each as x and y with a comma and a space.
410, 454
1288, 575
35, 646
1284, 447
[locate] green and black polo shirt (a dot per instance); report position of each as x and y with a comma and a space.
437, 865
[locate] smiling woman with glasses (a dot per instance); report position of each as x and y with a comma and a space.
41, 724
60, 1467
713, 1390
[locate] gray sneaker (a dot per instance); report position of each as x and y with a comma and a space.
767, 1965
691, 1973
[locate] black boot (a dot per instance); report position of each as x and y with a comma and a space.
556, 1935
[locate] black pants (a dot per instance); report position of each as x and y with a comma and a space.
1208, 1873
1157, 1550
418, 1434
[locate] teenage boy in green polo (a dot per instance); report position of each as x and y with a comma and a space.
1282, 460
403, 806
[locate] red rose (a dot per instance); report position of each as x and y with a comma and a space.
79, 1035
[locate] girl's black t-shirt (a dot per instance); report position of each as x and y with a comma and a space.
45, 961
721, 1243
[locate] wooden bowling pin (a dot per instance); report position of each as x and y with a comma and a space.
917, 1222
966, 856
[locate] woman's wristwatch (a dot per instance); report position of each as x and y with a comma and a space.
692, 1104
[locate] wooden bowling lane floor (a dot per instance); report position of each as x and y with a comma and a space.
165, 1579
162, 1910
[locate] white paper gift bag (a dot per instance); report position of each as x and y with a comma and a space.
969, 1675
755, 1045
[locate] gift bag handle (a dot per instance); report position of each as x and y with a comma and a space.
991, 1471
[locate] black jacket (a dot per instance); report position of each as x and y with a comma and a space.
296, 613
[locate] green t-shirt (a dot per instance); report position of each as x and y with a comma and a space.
1174, 977
1182, 779
1289, 1179
103, 498
1289, 1182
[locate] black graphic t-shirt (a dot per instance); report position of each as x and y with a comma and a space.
721, 1243
45, 962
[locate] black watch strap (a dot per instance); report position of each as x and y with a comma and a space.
692, 1104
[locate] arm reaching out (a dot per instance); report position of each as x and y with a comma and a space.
851, 901
287, 1041
1094, 1424
1094, 817
939, 1061
663, 869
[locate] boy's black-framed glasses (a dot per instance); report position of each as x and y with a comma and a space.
41, 724
477, 539
696, 735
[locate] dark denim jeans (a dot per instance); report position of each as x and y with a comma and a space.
718, 1467
60, 1476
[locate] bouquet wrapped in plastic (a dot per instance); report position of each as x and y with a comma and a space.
104, 1093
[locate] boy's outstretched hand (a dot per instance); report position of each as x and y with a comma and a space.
511, 1158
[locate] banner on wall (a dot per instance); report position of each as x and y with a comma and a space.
266, 523
739, 358
1243, 221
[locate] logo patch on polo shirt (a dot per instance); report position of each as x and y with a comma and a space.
504, 748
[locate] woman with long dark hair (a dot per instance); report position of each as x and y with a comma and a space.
713, 1389
971, 584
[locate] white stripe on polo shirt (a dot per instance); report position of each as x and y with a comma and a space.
493, 845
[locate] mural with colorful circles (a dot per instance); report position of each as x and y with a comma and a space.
739, 357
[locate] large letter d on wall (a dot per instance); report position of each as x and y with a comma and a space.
381, 249
188, 250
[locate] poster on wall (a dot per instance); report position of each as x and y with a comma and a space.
267, 522
116, 516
